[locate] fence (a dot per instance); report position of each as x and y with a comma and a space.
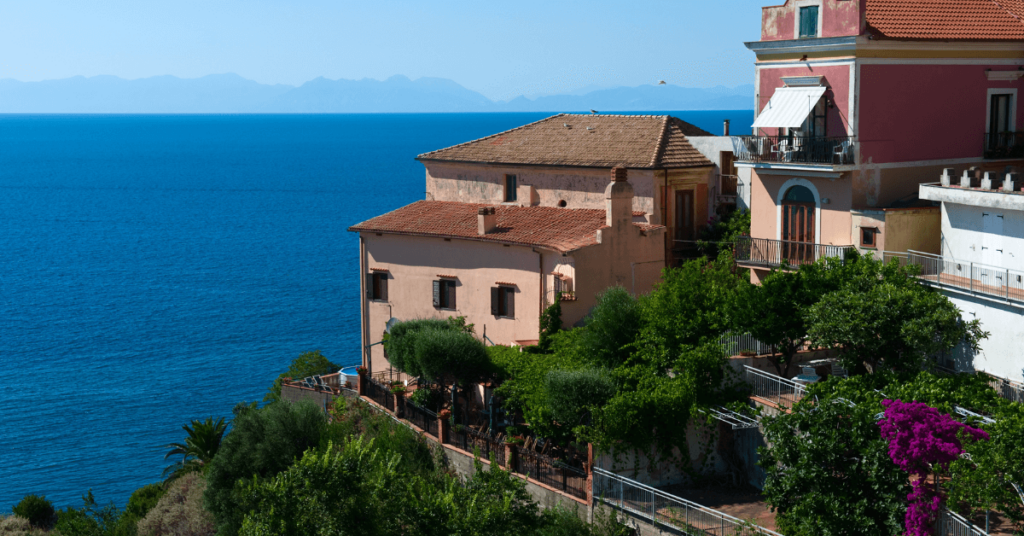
423, 418
471, 440
550, 472
797, 149
666, 509
951, 524
775, 389
769, 253
974, 277
380, 394
1010, 390
734, 344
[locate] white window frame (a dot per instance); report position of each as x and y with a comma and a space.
1013, 106
796, 15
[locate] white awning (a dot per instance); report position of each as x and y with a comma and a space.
789, 107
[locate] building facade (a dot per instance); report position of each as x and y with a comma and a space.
858, 102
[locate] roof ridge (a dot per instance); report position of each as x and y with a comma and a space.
492, 135
659, 147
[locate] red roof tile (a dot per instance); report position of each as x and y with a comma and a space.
631, 141
561, 229
969, 20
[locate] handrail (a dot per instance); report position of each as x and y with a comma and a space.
835, 150
949, 523
973, 277
662, 508
775, 389
775, 253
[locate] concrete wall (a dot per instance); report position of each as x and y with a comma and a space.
1001, 352
915, 229
838, 18
978, 234
712, 148
578, 187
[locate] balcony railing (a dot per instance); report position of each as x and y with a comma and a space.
836, 151
775, 389
1004, 145
973, 277
763, 252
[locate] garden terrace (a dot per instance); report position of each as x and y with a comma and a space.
962, 276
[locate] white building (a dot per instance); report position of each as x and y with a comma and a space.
981, 268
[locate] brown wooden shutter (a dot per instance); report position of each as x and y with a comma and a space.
494, 301
384, 286
369, 286
451, 295
510, 302
437, 294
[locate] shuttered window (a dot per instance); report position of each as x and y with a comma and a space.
377, 286
444, 294
809, 21
503, 302
511, 184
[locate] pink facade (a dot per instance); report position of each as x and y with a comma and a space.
839, 93
839, 18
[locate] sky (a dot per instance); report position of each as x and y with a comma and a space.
502, 50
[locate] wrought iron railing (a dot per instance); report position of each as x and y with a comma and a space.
952, 524
775, 389
1004, 145
797, 150
736, 343
470, 440
423, 418
380, 394
1008, 389
661, 508
777, 253
550, 471
973, 277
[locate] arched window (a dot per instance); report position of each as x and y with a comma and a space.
798, 213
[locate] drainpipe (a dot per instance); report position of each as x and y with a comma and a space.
363, 312
540, 288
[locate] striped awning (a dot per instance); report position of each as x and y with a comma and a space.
789, 107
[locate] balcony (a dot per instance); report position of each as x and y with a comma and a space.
970, 277
835, 151
765, 253
1003, 145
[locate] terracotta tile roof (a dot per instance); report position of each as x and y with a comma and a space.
970, 20
631, 141
561, 229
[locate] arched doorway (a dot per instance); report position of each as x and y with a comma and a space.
798, 223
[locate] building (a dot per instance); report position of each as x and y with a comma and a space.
499, 265
858, 103
981, 267
563, 161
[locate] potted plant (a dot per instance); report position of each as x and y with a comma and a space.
444, 413
398, 389
361, 370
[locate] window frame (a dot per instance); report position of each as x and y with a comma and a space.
511, 188
800, 4
503, 301
445, 294
1012, 119
377, 286
874, 237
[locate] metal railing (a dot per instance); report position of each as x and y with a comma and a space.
734, 344
775, 389
951, 524
797, 150
549, 471
423, 418
1004, 145
470, 440
974, 277
775, 253
1008, 389
380, 394
662, 508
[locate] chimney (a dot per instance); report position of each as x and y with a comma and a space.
486, 220
618, 197
725, 128
947, 176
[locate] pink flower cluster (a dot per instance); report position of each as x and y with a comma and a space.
920, 437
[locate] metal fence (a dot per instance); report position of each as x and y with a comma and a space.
775, 389
551, 472
380, 394
661, 508
470, 440
1004, 144
423, 418
797, 149
769, 253
951, 524
974, 277
736, 343
1010, 390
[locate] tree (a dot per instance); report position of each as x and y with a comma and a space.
573, 395
828, 472
775, 312
883, 317
611, 327
447, 356
400, 344
179, 512
307, 364
260, 444
199, 448
550, 323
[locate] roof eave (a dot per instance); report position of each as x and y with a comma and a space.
355, 229
608, 166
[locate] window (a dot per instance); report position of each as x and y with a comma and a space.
809, 21
444, 294
867, 237
377, 286
503, 301
510, 188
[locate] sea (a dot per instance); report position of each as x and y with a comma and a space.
156, 269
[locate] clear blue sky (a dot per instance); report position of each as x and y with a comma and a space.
500, 49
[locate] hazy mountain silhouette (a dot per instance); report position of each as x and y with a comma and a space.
230, 93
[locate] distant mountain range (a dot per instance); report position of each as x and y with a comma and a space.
230, 93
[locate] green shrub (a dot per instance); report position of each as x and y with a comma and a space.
573, 394
18, 526
179, 512
428, 398
144, 499
307, 364
613, 324
37, 510
400, 345
445, 356
261, 443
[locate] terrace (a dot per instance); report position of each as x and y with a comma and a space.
972, 278
766, 253
814, 150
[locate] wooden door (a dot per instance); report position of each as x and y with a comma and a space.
684, 215
798, 232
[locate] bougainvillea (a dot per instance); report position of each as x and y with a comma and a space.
921, 439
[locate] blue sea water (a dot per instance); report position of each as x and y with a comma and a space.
156, 269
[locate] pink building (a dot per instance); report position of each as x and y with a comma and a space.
859, 102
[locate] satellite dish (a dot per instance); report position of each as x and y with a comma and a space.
391, 323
